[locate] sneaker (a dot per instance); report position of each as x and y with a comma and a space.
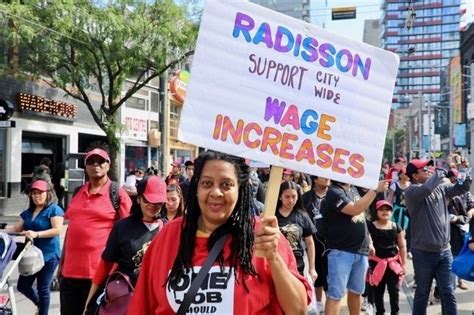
366, 307
320, 307
369, 309
462, 285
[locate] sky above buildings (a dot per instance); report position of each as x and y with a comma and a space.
320, 13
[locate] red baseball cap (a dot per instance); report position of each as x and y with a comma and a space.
416, 164
379, 204
99, 152
40, 185
153, 188
287, 171
176, 163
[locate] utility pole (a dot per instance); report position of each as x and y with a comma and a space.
451, 122
410, 142
420, 124
429, 128
164, 121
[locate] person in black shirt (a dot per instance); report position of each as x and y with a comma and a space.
390, 247
296, 225
348, 241
312, 203
130, 237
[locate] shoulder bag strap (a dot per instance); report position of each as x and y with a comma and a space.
189, 296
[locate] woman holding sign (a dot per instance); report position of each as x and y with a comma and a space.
219, 222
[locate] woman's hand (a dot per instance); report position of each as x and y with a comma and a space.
30, 234
313, 274
267, 237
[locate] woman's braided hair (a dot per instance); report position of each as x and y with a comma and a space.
240, 225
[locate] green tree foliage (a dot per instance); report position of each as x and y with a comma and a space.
91, 48
394, 137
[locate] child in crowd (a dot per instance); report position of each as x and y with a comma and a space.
388, 266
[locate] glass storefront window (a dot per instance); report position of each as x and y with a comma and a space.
135, 156
3, 169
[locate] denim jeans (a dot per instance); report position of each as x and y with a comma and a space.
429, 265
41, 296
346, 271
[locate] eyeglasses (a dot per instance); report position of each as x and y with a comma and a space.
96, 160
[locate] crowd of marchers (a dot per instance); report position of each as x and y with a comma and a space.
195, 242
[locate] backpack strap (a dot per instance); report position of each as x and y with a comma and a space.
114, 194
76, 190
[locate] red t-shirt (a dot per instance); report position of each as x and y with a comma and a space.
216, 296
91, 218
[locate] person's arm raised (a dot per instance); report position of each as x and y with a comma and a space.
356, 208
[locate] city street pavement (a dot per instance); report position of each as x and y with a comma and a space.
465, 298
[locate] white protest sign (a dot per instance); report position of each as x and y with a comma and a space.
267, 87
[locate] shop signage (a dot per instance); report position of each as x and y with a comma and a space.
6, 110
275, 89
39, 105
178, 84
136, 124
344, 13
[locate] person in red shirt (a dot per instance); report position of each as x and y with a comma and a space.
91, 217
398, 164
239, 282
175, 176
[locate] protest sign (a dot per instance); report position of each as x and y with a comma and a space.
267, 87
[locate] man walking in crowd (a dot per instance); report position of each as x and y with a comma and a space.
175, 176
189, 169
426, 201
91, 214
348, 242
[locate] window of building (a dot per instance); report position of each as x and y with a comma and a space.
137, 103
175, 113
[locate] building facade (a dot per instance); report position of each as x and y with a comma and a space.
425, 33
48, 125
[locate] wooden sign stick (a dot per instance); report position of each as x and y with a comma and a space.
273, 188
271, 196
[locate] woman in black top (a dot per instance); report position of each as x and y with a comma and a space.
130, 237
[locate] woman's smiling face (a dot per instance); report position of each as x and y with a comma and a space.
217, 193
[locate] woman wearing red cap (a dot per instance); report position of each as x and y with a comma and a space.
130, 237
42, 222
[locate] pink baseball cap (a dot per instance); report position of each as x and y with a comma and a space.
153, 188
99, 152
40, 185
379, 204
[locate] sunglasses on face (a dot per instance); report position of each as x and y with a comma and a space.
424, 169
93, 161
151, 203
